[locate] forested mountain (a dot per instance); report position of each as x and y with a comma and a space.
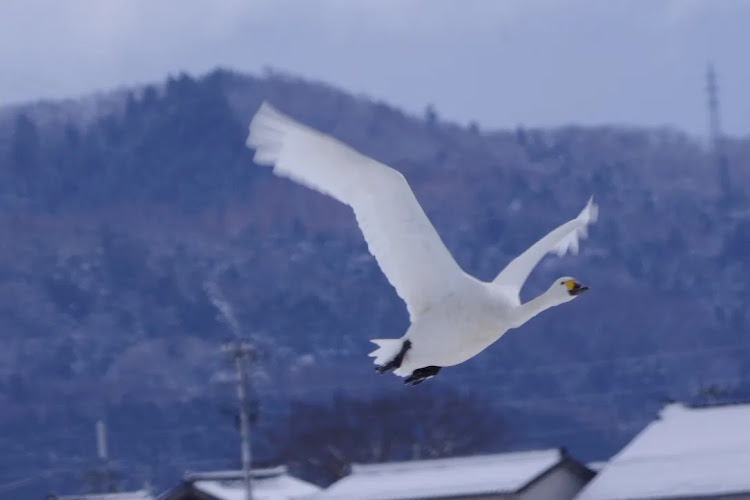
118, 212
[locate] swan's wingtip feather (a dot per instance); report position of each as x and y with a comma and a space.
266, 111
266, 134
594, 210
590, 212
266, 106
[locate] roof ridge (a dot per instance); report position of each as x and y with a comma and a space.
451, 461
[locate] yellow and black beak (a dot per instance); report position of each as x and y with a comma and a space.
575, 288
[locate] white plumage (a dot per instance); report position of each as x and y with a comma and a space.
453, 315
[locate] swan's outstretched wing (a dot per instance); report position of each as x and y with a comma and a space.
559, 241
396, 229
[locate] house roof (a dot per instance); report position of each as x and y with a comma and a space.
699, 451
475, 475
268, 484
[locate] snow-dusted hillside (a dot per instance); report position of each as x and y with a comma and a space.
117, 209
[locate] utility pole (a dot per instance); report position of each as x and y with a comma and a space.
102, 452
240, 352
715, 134
102, 478
101, 441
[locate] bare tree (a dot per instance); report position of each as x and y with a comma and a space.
323, 440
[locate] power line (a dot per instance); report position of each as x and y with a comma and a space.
15, 484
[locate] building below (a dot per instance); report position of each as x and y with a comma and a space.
538, 475
267, 484
698, 452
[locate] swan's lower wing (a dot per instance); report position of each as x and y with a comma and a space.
560, 240
396, 229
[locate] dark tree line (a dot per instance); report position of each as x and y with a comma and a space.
321, 441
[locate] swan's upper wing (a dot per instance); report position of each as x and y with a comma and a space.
559, 240
396, 229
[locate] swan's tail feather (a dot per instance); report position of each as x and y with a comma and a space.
386, 351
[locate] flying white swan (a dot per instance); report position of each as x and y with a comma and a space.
453, 315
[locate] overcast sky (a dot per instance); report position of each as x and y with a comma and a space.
499, 62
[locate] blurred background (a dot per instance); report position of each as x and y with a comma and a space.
139, 244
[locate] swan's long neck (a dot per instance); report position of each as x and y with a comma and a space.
529, 309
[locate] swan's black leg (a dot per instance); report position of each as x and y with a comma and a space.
420, 375
397, 360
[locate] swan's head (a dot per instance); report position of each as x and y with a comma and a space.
567, 288
562, 290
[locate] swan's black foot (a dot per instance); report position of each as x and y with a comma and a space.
420, 375
397, 360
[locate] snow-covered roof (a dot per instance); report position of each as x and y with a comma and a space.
475, 475
686, 452
134, 495
268, 484
596, 466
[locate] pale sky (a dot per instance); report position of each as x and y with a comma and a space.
498, 62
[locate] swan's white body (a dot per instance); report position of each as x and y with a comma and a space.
453, 315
